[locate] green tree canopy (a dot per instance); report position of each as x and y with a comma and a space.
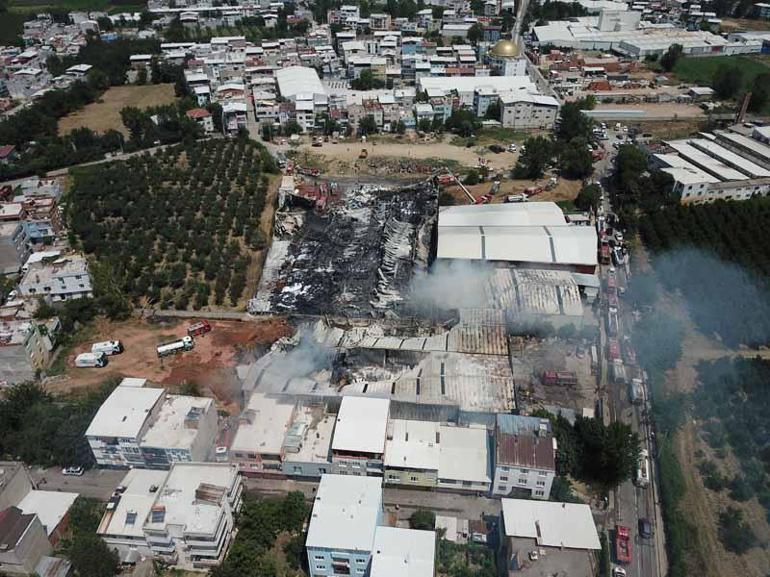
535, 158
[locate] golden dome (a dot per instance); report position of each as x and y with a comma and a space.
504, 49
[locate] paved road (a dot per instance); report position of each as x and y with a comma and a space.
630, 502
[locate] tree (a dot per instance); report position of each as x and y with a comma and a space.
760, 92
472, 177
91, 557
463, 122
400, 127
735, 533
493, 110
588, 198
670, 57
423, 519
424, 125
535, 158
475, 33
727, 81
575, 124
366, 81
575, 161
607, 455
367, 125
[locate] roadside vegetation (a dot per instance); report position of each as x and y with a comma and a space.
269, 540
42, 429
178, 227
89, 554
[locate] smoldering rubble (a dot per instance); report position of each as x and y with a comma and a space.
354, 257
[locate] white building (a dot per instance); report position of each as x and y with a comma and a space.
185, 429
359, 436
119, 424
466, 462
346, 513
526, 111
51, 507
403, 552
525, 456
307, 444
191, 520
258, 444
63, 279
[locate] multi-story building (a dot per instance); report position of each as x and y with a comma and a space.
23, 542
258, 444
31, 236
184, 430
527, 111
359, 436
64, 279
191, 521
308, 443
120, 423
346, 513
140, 426
525, 456
15, 483
183, 517
412, 453
466, 461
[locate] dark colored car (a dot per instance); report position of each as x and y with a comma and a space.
645, 528
496, 148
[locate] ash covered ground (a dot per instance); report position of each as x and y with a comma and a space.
353, 255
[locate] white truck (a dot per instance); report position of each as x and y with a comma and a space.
90, 360
107, 347
174, 347
643, 469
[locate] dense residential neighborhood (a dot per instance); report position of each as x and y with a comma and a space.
396, 288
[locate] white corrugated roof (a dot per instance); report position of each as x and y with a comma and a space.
361, 425
298, 80
403, 553
124, 412
345, 513
513, 214
568, 525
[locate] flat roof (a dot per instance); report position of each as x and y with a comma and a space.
294, 80
345, 513
263, 425
50, 507
137, 499
316, 435
361, 425
413, 445
756, 147
168, 430
124, 413
568, 525
465, 454
509, 214
702, 160
729, 157
403, 553
182, 506
499, 84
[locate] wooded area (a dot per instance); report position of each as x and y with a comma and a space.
178, 227
715, 254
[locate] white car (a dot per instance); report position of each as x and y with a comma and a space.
512, 147
72, 471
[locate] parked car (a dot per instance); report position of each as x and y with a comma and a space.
645, 528
512, 147
496, 148
72, 471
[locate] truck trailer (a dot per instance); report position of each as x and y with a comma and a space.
174, 347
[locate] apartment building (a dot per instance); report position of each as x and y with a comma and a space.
527, 111
307, 446
64, 279
359, 437
258, 444
525, 456
412, 453
23, 542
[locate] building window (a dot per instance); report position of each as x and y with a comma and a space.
522, 481
541, 483
319, 557
524, 471
539, 493
542, 473
503, 488
503, 478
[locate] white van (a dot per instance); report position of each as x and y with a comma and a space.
107, 347
90, 360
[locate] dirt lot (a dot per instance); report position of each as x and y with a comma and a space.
736, 24
672, 129
663, 110
342, 158
211, 365
105, 113
565, 190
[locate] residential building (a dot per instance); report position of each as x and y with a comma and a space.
341, 534
403, 552
52, 508
525, 456
359, 436
32, 236
27, 347
565, 532
527, 111
184, 430
64, 279
307, 444
203, 118
191, 521
23, 542
122, 524
412, 453
466, 459
258, 444
120, 423
15, 483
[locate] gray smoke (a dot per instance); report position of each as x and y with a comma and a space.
450, 285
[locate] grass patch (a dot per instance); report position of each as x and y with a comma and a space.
701, 70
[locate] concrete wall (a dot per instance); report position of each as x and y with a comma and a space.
411, 477
32, 545
17, 483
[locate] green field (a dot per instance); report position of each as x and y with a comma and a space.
701, 70
11, 25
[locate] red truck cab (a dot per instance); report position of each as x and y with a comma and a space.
199, 328
622, 544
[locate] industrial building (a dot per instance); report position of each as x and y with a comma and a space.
534, 235
729, 164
